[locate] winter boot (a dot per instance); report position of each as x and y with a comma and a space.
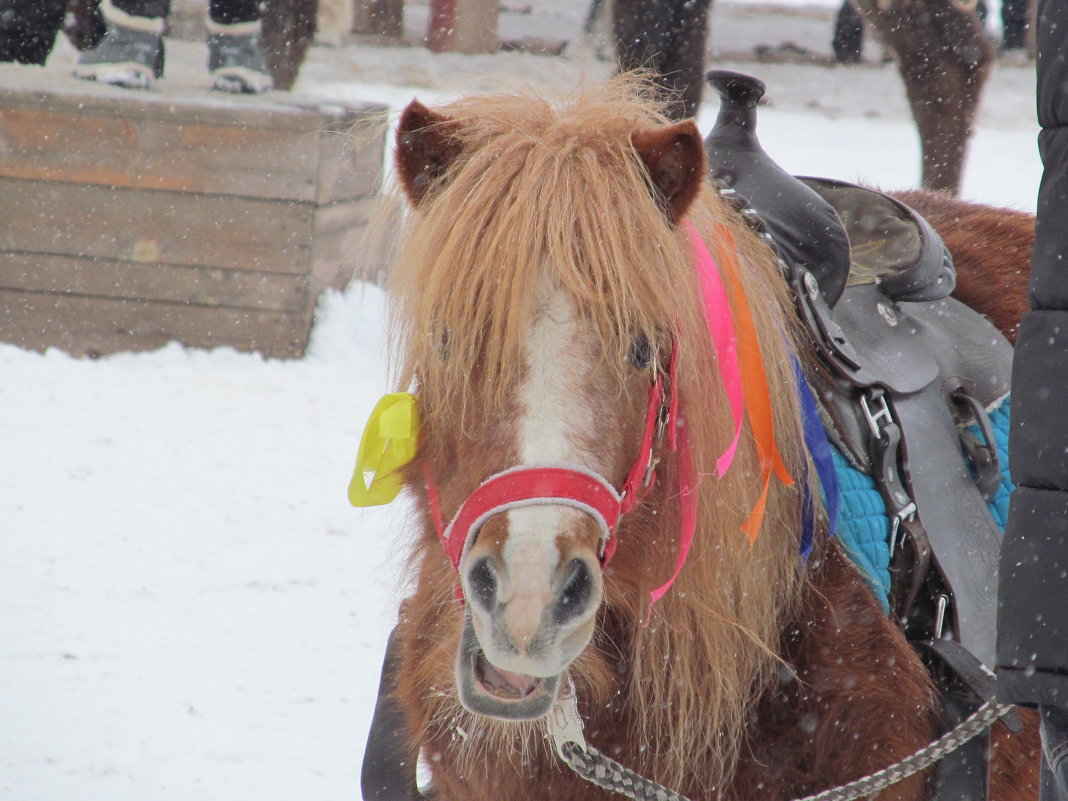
235, 59
130, 54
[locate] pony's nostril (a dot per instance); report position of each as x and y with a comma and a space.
482, 584
575, 592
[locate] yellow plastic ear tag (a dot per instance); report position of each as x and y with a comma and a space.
389, 442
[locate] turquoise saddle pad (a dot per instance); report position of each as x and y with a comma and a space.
864, 526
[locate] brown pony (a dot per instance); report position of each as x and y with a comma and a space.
544, 279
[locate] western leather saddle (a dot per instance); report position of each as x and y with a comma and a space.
904, 374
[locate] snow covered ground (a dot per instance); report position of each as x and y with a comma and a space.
189, 609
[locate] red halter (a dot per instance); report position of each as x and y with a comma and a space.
577, 487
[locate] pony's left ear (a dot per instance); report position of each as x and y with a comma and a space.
675, 158
426, 147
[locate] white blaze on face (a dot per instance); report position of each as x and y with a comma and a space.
554, 415
554, 418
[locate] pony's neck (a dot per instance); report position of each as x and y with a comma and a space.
710, 650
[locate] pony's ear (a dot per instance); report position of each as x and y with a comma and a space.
426, 146
675, 158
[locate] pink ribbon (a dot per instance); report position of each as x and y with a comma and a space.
679, 440
721, 329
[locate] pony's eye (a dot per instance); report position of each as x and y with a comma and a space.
640, 355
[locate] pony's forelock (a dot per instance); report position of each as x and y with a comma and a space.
529, 193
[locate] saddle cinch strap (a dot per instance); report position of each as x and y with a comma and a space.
902, 370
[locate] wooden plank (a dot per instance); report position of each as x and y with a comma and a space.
339, 245
350, 161
334, 258
95, 326
343, 214
136, 218
89, 134
50, 145
29, 88
339, 255
107, 278
156, 226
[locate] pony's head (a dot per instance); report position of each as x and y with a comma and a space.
553, 324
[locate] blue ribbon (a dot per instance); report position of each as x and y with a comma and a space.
820, 451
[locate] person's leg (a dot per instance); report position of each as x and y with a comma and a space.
848, 38
1014, 24
1054, 785
131, 52
235, 58
28, 29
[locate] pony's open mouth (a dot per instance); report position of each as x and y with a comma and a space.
489, 690
501, 683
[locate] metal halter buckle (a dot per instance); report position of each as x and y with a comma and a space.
564, 723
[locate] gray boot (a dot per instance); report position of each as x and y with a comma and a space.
235, 59
129, 55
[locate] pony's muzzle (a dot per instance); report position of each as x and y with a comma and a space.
578, 586
527, 618
530, 616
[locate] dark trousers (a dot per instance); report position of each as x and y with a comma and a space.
1014, 23
28, 29
224, 12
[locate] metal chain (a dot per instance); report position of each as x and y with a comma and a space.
595, 767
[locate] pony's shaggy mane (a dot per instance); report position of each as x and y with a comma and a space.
558, 188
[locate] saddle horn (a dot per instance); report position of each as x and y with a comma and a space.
806, 228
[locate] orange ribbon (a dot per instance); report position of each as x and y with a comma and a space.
755, 385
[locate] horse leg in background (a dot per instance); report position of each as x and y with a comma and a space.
991, 280
944, 60
84, 23
1015, 23
669, 38
288, 28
